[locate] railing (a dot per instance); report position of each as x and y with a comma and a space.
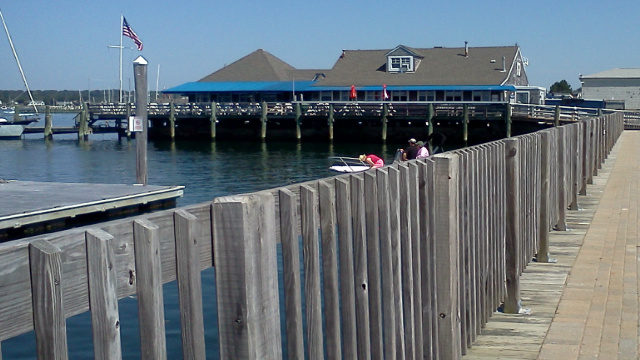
352, 108
414, 257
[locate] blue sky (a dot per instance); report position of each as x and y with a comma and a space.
64, 44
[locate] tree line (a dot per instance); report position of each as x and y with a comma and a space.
65, 97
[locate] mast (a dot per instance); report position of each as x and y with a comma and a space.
15, 55
121, 25
157, 81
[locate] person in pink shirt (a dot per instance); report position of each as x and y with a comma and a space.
423, 152
372, 160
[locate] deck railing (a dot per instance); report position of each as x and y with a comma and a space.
407, 261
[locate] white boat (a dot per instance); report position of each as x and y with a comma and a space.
348, 165
14, 127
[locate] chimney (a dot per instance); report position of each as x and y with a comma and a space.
466, 48
504, 64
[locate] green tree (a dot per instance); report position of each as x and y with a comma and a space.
561, 87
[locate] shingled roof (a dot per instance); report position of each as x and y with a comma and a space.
438, 66
260, 66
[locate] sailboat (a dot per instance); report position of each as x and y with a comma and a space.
13, 127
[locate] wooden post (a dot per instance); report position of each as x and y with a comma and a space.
513, 235
16, 113
172, 120
291, 268
47, 300
507, 112
446, 239
140, 78
83, 122
189, 285
103, 296
556, 117
545, 174
247, 277
561, 225
128, 130
330, 121
430, 125
48, 123
213, 119
385, 121
146, 236
298, 121
465, 124
263, 120
327, 194
373, 261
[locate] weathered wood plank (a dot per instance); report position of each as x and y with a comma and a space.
105, 320
415, 178
373, 264
246, 277
149, 290
311, 256
386, 259
189, 285
396, 258
328, 225
291, 272
446, 239
48, 307
361, 282
406, 261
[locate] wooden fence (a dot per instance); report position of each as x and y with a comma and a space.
404, 262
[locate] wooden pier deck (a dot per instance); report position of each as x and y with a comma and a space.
35, 207
585, 305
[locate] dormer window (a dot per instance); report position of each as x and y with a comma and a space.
400, 63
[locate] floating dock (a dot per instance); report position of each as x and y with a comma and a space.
30, 208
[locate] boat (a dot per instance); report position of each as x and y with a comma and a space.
348, 165
12, 127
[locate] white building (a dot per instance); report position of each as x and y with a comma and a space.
614, 84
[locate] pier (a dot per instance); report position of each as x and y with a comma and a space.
427, 250
464, 123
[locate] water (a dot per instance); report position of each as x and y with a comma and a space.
207, 170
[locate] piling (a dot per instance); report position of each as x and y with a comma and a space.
48, 123
298, 121
507, 112
385, 113
213, 120
330, 121
140, 78
263, 120
172, 121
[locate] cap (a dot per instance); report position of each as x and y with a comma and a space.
420, 143
412, 140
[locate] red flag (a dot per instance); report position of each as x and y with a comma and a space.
353, 94
385, 96
128, 32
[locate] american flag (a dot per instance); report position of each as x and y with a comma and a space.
128, 32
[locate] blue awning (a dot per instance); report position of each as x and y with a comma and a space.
306, 86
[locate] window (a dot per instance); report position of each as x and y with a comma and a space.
325, 96
426, 95
518, 68
400, 63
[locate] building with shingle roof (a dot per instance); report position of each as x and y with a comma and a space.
614, 84
408, 74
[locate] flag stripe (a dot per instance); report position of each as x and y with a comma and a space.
128, 32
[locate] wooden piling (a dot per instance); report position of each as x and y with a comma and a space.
384, 120
213, 120
48, 123
263, 120
298, 121
140, 79
330, 122
172, 120
507, 116
465, 124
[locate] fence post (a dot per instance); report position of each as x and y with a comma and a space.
543, 243
247, 277
103, 298
512, 240
48, 305
561, 225
446, 238
149, 289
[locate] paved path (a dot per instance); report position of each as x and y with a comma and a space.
584, 306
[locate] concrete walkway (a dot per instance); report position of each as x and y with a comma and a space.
584, 306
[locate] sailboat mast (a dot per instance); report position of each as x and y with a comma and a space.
15, 55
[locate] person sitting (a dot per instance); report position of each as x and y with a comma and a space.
411, 151
423, 152
372, 160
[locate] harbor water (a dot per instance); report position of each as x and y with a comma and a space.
206, 169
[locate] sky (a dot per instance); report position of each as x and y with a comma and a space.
64, 44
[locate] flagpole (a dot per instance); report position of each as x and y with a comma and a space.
121, 25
